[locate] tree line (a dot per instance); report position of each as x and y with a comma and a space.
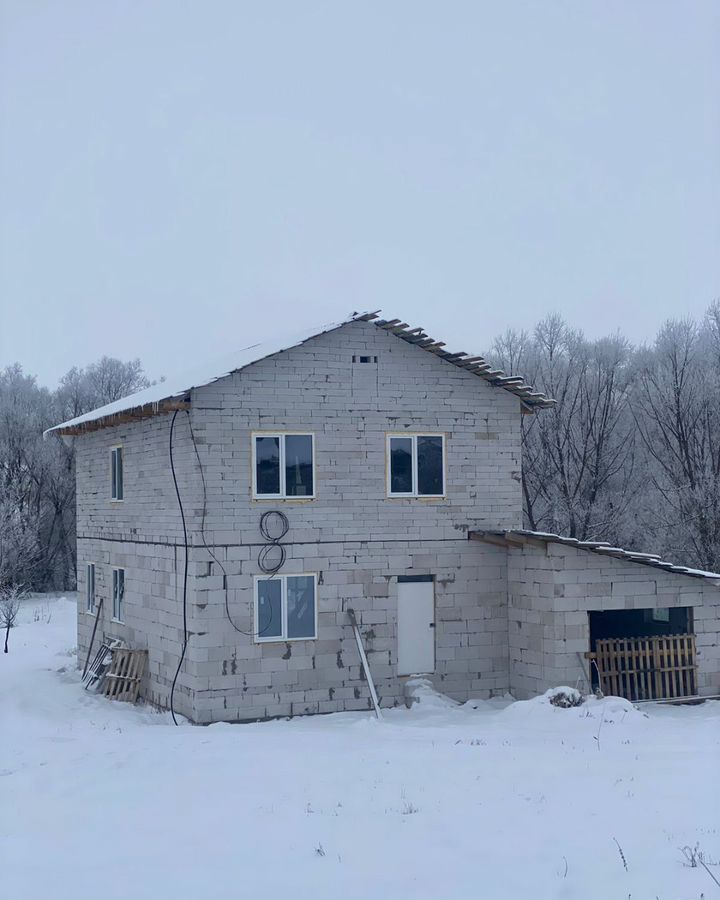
37, 476
630, 453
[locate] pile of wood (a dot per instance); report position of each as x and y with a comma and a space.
116, 671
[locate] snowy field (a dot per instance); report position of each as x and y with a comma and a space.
520, 800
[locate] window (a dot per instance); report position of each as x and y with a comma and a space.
283, 465
285, 608
90, 587
116, 473
416, 465
118, 594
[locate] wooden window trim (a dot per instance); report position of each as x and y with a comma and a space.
281, 435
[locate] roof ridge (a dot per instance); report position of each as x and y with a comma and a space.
165, 395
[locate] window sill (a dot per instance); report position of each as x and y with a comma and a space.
416, 497
117, 621
122, 500
282, 640
279, 499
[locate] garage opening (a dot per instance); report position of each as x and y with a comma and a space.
643, 654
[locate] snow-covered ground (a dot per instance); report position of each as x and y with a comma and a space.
99, 799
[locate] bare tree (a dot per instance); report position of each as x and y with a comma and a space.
579, 456
10, 599
676, 404
37, 477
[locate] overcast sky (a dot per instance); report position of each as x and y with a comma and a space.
180, 178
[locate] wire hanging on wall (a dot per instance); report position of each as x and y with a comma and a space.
185, 567
274, 526
207, 547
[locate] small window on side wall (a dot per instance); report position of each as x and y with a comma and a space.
118, 595
285, 608
90, 587
416, 465
116, 473
283, 466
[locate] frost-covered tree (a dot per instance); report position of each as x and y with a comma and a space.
579, 456
631, 452
37, 477
676, 404
10, 599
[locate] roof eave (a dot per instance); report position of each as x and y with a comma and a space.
134, 414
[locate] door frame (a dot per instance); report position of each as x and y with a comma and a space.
418, 579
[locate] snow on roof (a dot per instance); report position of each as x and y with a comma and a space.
180, 385
601, 547
157, 397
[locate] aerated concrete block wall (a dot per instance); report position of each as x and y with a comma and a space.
352, 535
143, 535
553, 587
235, 678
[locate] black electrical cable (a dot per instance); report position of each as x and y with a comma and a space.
185, 570
273, 537
286, 526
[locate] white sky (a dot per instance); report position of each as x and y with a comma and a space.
178, 177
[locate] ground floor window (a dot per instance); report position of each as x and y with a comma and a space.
285, 608
90, 588
118, 594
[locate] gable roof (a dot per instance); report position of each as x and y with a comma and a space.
604, 548
173, 393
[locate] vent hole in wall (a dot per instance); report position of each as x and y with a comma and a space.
365, 359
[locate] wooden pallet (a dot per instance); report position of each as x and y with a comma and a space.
649, 668
122, 682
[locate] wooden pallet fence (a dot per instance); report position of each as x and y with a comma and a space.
122, 682
647, 668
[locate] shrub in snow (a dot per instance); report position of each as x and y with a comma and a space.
565, 697
10, 598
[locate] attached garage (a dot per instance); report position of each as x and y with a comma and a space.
589, 613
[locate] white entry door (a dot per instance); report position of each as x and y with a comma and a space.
416, 627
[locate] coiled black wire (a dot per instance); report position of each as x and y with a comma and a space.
274, 526
286, 527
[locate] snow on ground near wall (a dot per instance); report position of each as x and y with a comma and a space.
441, 801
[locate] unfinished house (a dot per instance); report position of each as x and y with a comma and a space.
230, 521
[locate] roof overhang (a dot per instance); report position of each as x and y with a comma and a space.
134, 414
520, 538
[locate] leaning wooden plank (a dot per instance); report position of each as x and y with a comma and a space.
363, 659
98, 613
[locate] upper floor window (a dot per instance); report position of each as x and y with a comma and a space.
285, 608
118, 595
283, 465
116, 473
90, 587
416, 465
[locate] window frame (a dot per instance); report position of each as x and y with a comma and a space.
283, 495
114, 498
118, 610
413, 436
282, 638
90, 610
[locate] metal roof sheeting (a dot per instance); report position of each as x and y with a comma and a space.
604, 549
